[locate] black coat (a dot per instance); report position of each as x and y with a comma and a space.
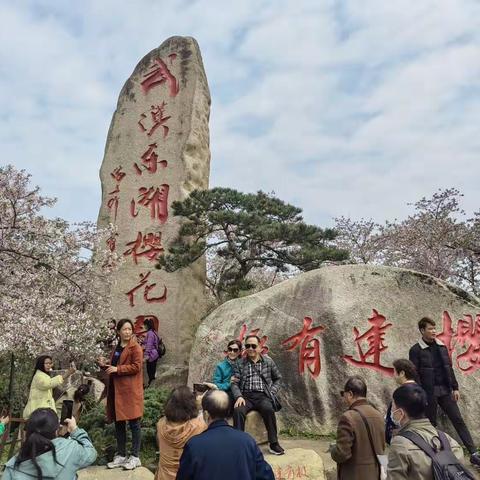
421, 356
223, 452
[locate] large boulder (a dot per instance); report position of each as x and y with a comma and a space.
328, 324
103, 473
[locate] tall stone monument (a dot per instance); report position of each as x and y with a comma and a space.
157, 152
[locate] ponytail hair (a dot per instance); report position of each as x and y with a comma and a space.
41, 428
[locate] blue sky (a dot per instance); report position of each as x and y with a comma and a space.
343, 107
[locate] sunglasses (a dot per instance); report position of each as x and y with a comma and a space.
230, 349
253, 346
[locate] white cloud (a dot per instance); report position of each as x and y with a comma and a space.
340, 107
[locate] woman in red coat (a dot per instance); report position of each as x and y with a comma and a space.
125, 394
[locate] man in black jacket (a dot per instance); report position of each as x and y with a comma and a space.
258, 379
434, 367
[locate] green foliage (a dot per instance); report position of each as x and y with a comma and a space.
23, 372
246, 231
293, 432
93, 420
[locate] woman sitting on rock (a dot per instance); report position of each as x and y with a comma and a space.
181, 422
46, 456
223, 375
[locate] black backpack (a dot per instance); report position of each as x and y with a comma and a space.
161, 349
445, 465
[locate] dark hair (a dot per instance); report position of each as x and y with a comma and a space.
40, 363
407, 367
252, 336
216, 403
81, 392
411, 398
422, 324
122, 322
357, 386
238, 343
41, 428
181, 405
148, 323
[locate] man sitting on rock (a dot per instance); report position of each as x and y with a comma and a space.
434, 367
259, 380
221, 451
360, 435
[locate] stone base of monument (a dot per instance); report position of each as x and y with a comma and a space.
103, 473
297, 463
256, 428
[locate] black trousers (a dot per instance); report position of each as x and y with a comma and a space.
263, 405
151, 371
121, 436
450, 407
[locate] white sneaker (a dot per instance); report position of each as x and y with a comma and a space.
118, 461
131, 463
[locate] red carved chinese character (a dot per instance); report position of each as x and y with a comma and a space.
467, 336
112, 202
112, 242
157, 119
154, 198
302, 471
279, 474
375, 337
138, 326
158, 74
263, 340
150, 161
118, 175
148, 245
146, 290
309, 349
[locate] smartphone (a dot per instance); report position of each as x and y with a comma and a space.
200, 387
67, 411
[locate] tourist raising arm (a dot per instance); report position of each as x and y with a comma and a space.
41, 388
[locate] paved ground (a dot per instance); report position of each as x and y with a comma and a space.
321, 447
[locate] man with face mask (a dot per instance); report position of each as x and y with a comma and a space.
404, 372
405, 459
436, 376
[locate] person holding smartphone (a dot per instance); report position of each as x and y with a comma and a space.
46, 455
125, 394
42, 385
223, 376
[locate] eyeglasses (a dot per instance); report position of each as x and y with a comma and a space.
253, 346
230, 349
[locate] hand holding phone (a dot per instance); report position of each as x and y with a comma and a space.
67, 411
200, 387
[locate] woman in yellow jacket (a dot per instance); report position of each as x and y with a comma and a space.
42, 385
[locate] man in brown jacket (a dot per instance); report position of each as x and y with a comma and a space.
353, 452
405, 459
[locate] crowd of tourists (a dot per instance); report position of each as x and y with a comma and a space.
196, 442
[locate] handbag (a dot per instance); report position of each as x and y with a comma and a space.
277, 406
380, 459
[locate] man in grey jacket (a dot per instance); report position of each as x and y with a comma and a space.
258, 379
405, 459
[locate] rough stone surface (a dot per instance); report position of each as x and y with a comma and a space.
103, 473
341, 299
297, 463
157, 152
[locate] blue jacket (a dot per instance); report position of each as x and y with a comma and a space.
222, 375
221, 452
72, 454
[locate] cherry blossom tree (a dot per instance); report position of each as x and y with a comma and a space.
435, 239
54, 277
